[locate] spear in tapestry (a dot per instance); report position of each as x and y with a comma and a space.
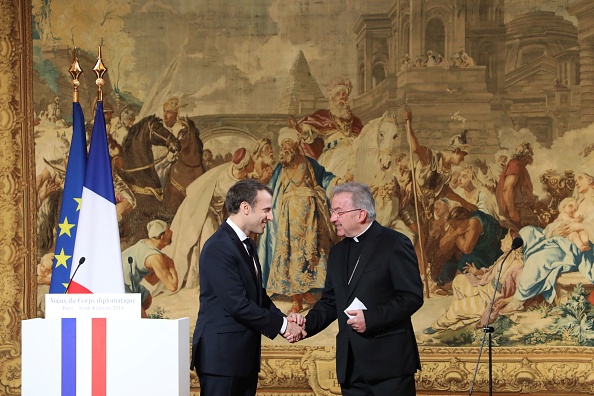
423, 265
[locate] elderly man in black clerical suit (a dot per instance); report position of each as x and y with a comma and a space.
234, 308
373, 287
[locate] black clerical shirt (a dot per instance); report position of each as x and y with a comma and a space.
355, 249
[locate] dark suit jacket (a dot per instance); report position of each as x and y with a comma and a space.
234, 309
388, 282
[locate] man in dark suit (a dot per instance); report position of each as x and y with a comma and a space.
234, 308
376, 350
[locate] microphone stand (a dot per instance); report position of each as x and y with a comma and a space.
517, 242
80, 262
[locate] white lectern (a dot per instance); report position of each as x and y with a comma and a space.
105, 355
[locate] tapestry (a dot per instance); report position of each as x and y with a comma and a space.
470, 121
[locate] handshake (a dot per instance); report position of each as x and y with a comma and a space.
295, 328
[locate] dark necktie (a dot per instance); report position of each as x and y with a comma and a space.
250, 248
248, 245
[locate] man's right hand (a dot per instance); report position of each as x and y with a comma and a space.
294, 332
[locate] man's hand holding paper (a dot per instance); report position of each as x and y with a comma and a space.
356, 317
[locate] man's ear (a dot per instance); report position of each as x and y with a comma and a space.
363, 215
245, 207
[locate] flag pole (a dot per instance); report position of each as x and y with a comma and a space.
74, 177
99, 70
98, 241
75, 71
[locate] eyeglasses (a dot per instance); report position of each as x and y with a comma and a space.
338, 214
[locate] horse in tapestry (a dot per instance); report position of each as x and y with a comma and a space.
186, 167
140, 174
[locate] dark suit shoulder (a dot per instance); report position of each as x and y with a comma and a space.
341, 243
390, 233
222, 241
338, 246
218, 237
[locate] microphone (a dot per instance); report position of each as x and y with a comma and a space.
82, 260
130, 261
517, 242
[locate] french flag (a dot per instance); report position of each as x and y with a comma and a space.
97, 257
89, 344
81, 347
105, 357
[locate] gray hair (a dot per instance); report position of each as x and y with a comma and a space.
361, 197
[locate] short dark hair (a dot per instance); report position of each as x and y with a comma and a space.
244, 191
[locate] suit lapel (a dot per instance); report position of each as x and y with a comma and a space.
238, 244
247, 259
341, 260
368, 249
258, 278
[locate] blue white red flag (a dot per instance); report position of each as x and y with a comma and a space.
100, 356
98, 238
70, 206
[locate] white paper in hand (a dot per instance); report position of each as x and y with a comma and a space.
355, 305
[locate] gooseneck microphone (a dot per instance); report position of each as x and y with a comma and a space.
82, 260
516, 243
130, 262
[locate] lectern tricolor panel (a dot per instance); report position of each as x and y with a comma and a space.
91, 356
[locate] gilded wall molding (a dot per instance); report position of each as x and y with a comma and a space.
17, 195
307, 370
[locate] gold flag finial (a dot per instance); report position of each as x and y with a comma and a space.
99, 70
75, 71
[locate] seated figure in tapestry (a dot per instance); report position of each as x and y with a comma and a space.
328, 134
567, 215
474, 290
471, 241
545, 258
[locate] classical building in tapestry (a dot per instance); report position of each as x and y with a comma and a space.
525, 72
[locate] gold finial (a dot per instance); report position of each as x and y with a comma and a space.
99, 70
75, 72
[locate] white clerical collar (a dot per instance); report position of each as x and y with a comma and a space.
356, 239
237, 230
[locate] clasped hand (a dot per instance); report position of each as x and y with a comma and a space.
295, 330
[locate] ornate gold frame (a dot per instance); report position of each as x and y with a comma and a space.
17, 187
297, 370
